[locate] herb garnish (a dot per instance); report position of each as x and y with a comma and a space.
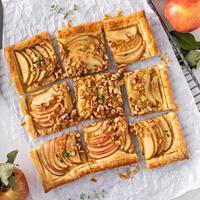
100, 96
63, 12
67, 154
93, 195
38, 61
189, 48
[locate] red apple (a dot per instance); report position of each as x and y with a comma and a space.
19, 191
13, 184
183, 15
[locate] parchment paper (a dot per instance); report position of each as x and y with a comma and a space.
23, 18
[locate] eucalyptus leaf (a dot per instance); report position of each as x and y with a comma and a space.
192, 58
11, 156
198, 64
11, 181
6, 171
186, 40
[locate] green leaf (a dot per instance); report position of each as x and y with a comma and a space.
198, 63
6, 171
192, 58
11, 181
186, 40
11, 156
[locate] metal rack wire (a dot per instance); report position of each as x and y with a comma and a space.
189, 75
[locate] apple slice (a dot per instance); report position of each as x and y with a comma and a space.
134, 45
93, 127
100, 139
148, 144
147, 79
53, 159
48, 166
24, 65
104, 154
167, 133
160, 138
155, 89
131, 57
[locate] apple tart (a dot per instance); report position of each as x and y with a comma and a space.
130, 38
109, 144
82, 49
149, 90
33, 63
98, 96
61, 160
161, 140
49, 110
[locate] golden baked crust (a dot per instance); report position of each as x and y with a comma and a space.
82, 49
161, 140
98, 96
130, 38
60, 160
49, 110
32, 63
149, 90
109, 144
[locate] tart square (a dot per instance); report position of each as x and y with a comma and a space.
82, 49
130, 38
109, 144
98, 96
149, 90
33, 63
161, 140
49, 110
61, 160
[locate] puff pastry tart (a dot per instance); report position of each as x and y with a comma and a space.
49, 110
149, 90
60, 160
161, 140
98, 96
109, 144
82, 49
130, 38
32, 63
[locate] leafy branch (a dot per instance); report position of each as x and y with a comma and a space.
189, 48
56, 8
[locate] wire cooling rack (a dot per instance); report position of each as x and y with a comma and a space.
189, 75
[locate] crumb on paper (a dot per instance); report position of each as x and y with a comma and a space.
127, 174
23, 123
165, 58
93, 179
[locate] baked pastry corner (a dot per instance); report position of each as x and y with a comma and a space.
130, 38
61, 160
149, 90
33, 63
49, 110
109, 144
82, 49
161, 140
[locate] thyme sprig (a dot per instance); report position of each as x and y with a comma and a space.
94, 195
62, 11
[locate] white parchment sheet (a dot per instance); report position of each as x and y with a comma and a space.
23, 18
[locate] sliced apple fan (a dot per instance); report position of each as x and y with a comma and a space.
130, 38
63, 159
98, 96
82, 49
49, 110
33, 63
161, 140
149, 90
